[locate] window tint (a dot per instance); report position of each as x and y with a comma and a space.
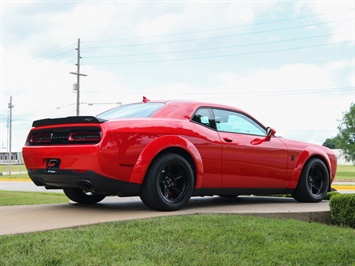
235, 122
204, 117
137, 110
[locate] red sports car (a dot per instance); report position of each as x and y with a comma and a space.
167, 151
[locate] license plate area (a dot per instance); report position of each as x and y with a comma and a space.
52, 166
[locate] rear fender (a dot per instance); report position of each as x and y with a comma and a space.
306, 154
160, 144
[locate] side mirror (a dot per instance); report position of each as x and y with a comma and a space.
269, 133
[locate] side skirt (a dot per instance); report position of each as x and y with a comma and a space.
240, 191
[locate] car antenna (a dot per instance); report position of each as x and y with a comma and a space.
145, 99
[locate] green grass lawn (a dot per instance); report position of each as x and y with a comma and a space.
345, 173
15, 177
11, 198
185, 240
14, 168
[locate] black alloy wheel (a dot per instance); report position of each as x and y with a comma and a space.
314, 182
168, 184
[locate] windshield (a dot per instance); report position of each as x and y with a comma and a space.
136, 110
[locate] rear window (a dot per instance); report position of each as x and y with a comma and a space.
136, 110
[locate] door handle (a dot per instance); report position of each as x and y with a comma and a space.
227, 140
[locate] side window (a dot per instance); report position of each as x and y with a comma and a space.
204, 117
235, 122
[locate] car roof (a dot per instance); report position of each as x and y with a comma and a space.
179, 109
196, 104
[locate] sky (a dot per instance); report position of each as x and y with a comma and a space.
290, 64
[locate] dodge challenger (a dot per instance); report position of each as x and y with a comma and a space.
165, 152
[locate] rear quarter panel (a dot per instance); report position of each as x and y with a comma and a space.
134, 145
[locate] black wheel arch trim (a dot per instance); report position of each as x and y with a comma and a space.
317, 156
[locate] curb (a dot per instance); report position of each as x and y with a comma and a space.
349, 187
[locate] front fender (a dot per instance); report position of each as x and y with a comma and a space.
160, 144
303, 158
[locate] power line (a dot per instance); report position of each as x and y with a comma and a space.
295, 92
217, 37
230, 95
214, 29
59, 51
220, 56
266, 92
58, 54
215, 48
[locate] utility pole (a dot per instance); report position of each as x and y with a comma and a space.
78, 74
10, 133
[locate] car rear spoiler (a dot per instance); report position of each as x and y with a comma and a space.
67, 120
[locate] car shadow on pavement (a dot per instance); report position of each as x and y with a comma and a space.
195, 203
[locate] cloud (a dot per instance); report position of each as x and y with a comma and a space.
38, 52
42, 89
289, 98
339, 16
287, 77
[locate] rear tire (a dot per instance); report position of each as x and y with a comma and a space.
82, 197
168, 184
313, 184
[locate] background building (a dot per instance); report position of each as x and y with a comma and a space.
16, 157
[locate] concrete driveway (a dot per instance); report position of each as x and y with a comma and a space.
24, 219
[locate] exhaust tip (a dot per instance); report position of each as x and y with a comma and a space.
85, 185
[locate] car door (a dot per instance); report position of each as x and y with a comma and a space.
247, 161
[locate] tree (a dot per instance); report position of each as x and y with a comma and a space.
346, 135
331, 143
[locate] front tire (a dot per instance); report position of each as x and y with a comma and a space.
168, 184
313, 184
82, 197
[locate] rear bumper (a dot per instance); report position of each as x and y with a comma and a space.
89, 181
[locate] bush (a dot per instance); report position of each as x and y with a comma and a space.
342, 209
331, 194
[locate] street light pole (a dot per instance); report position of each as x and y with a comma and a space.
10, 133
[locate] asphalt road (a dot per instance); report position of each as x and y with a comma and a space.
24, 186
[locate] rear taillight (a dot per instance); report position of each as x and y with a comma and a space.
84, 136
65, 135
41, 138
